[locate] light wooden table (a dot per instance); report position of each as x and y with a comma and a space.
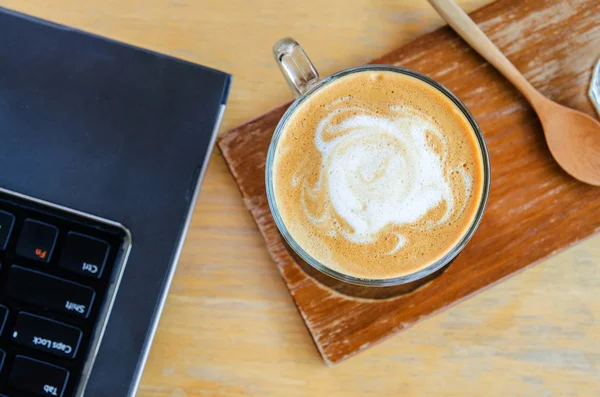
231, 329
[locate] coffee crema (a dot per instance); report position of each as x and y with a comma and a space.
377, 175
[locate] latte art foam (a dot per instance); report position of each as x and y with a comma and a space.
365, 185
378, 171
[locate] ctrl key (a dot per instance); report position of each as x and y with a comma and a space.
37, 377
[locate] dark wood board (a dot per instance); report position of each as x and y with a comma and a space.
535, 209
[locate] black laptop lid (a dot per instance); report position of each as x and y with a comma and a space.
117, 132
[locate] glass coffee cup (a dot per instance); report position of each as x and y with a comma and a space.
304, 81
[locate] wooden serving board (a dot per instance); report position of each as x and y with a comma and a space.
535, 209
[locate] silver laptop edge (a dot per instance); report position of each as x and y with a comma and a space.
173, 267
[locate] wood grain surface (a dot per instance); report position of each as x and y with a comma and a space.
521, 225
230, 327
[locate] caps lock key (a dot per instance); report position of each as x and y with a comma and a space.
46, 335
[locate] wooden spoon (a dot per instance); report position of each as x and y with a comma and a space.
573, 137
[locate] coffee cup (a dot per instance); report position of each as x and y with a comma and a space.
376, 175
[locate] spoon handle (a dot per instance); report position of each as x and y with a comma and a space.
470, 32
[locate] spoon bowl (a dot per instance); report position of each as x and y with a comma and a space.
573, 138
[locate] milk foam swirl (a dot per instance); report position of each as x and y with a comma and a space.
379, 170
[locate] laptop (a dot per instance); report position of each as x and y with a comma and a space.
103, 147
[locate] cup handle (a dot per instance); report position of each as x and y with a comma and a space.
299, 72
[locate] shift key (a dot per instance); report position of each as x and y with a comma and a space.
49, 292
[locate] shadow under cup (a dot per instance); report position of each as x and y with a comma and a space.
350, 285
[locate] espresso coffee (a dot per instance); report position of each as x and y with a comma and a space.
377, 175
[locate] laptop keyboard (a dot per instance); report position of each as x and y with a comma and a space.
58, 276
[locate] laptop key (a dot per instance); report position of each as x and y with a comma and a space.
46, 335
37, 377
83, 255
49, 292
37, 240
7, 221
3, 315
